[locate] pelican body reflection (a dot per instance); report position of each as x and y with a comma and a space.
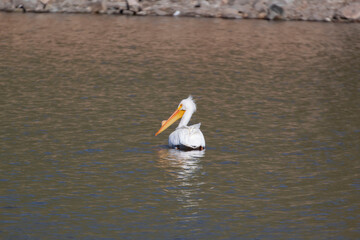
185, 167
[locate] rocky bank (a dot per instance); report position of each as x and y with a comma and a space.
310, 10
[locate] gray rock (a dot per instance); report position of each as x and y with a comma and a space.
261, 6
244, 10
204, 12
29, 5
163, 11
315, 10
230, 13
134, 5
95, 7
142, 13
351, 11
275, 12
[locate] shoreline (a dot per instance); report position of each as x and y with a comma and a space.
288, 10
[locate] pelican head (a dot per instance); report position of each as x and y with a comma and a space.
185, 110
188, 104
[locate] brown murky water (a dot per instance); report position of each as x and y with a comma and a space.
83, 95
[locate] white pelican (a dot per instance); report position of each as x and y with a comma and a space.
184, 137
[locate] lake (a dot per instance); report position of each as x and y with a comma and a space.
82, 97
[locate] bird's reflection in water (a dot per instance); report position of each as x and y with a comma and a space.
186, 168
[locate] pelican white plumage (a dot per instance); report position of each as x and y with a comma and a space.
184, 137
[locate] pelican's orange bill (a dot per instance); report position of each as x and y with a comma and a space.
175, 116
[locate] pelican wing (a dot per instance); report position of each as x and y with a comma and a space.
189, 136
195, 126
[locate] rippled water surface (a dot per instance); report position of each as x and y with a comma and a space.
83, 95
